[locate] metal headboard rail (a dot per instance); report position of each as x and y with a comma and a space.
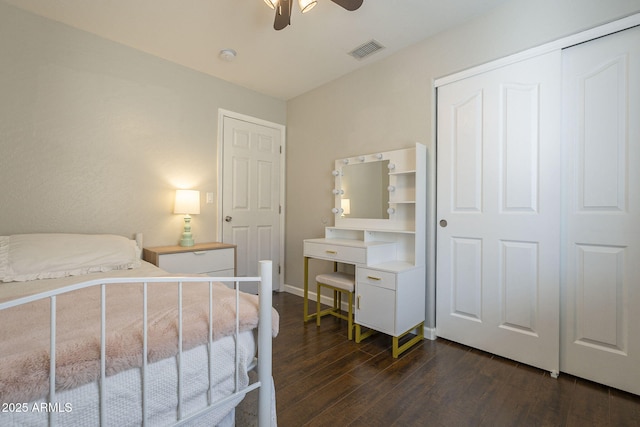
264, 382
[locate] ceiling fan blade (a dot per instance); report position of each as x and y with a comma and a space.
349, 4
283, 14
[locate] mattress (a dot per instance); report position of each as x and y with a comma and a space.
79, 406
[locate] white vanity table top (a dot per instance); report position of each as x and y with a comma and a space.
375, 254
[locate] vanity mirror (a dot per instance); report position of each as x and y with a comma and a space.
377, 191
364, 190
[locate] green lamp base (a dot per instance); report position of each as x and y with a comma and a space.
187, 237
186, 242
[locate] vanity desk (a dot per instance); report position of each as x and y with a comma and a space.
346, 251
385, 242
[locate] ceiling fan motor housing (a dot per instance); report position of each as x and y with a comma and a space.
284, 7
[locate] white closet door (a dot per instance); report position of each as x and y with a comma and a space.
601, 317
498, 190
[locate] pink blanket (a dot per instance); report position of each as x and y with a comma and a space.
24, 333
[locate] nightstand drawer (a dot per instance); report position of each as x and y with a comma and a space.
208, 262
383, 279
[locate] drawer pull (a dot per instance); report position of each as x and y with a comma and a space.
373, 278
332, 252
199, 252
358, 303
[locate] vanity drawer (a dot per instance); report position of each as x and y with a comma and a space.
205, 261
346, 254
383, 279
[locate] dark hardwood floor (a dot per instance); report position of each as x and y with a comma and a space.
322, 379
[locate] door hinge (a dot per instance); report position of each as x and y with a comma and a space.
279, 209
281, 149
279, 271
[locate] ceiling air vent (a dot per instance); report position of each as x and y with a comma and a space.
369, 48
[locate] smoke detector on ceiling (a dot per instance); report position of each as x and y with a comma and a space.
364, 50
227, 55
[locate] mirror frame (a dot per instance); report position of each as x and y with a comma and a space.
359, 223
364, 190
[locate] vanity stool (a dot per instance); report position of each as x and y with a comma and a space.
340, 283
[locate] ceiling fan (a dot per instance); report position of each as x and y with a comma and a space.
283, 9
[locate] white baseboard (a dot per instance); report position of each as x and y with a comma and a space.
294, 290
312, 296
430, 333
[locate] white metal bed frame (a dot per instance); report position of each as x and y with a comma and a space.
264, 361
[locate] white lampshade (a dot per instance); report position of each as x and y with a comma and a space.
345, 204
306, 5
187, 202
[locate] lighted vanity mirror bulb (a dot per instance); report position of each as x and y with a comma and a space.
391, 166
391, 189
336, 191
378, 156
336, 211
391, 211
335, 172
361, 158
345, 161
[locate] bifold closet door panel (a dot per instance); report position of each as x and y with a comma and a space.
498, 207
601, 298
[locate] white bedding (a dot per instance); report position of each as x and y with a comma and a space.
12, 290
26, 257
78, 406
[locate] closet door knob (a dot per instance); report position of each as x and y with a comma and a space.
228, 218
443, 223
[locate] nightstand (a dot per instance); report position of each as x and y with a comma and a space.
212, 259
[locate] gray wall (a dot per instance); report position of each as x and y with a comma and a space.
388, 105
95, 136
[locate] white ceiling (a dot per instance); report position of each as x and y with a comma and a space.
282, 64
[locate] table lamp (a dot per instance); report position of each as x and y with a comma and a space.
345, 204
187, 203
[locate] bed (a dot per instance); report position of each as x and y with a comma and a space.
105, 308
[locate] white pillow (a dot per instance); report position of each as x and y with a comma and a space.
46, 256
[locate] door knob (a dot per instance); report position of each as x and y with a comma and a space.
443, 223
228, 218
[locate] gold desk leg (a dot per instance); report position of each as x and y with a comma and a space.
306, 315
360, 336
397, 351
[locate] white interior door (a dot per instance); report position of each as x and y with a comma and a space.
251, 194
498, 156
601, 304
